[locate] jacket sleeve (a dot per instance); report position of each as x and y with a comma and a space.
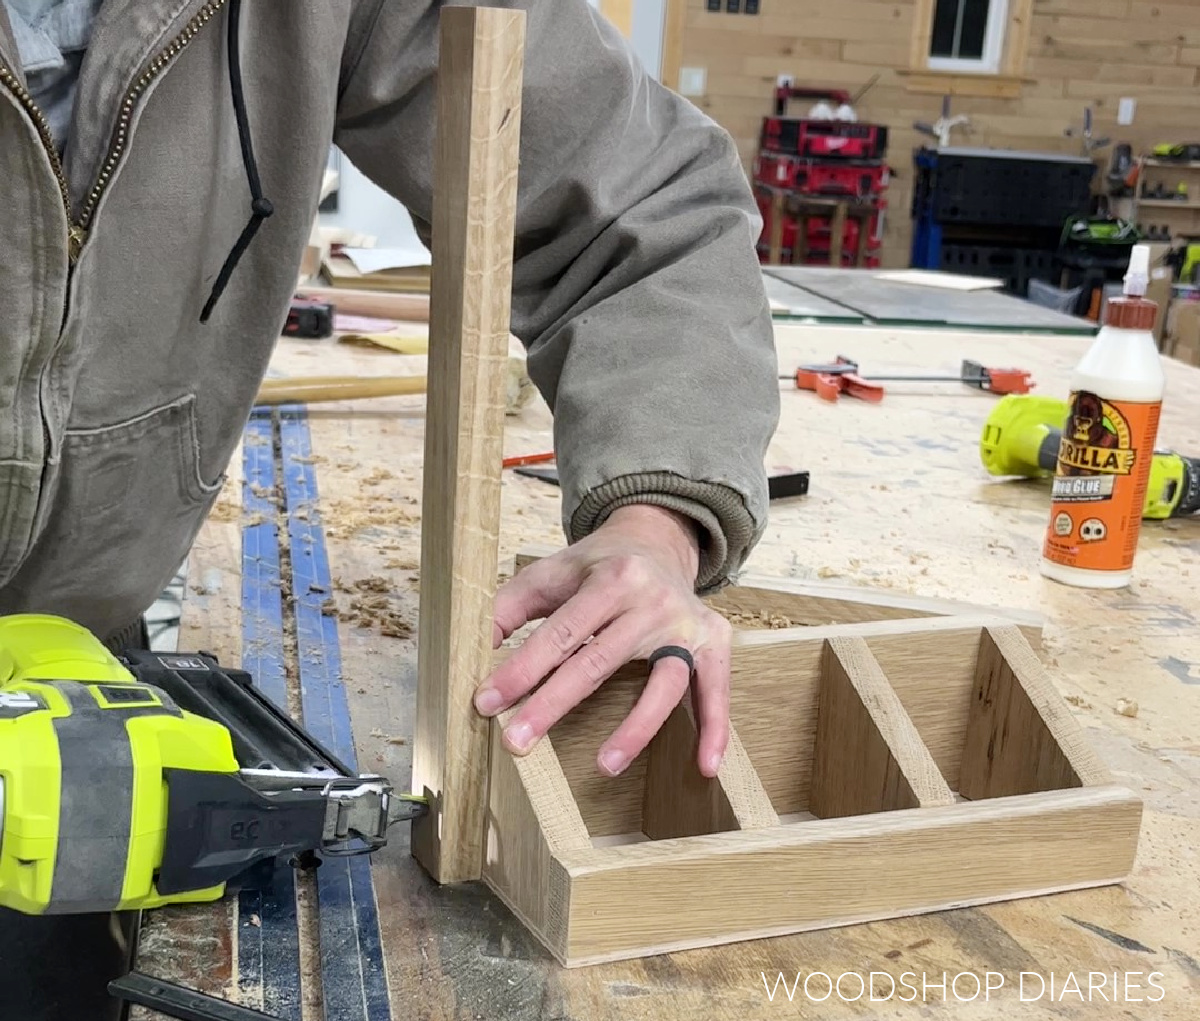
636, 288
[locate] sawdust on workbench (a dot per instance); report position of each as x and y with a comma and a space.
344, 518
371, 605
376, 476
225, 511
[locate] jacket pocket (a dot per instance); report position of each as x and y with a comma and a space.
127, 505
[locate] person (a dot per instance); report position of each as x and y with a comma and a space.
159, 172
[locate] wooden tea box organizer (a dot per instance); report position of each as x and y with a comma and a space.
877, 768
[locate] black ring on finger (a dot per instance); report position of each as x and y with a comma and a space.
675, 652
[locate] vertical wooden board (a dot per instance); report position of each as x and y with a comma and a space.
1021, 736
674, 22
868, 755
475, 167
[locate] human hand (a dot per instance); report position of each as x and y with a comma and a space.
615, 596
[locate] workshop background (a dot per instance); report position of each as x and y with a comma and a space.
1106, 86
1058, 58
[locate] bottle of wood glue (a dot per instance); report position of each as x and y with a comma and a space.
1107, 444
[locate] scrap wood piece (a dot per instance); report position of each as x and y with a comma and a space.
413, 308
474, 206
400, 343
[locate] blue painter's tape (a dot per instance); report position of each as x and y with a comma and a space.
352, 971
269, 951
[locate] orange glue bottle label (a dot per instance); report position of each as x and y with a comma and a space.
1100, 483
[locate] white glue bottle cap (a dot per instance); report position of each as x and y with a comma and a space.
1137, 277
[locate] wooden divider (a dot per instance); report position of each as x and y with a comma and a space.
1021, 737
679, 801
868, 756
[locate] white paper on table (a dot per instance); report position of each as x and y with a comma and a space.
372, 260
933, 278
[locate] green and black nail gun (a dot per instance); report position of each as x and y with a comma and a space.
151, 779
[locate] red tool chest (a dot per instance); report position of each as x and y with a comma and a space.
820, 177
799, 136
834, 158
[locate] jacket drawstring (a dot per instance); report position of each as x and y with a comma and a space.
260, 205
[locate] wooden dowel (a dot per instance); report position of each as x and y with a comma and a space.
313, 389
407, 307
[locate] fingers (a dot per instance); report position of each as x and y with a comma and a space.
712, 699
530, 594
574, 681
666, 686
557, 638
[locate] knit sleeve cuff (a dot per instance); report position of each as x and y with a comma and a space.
728, 531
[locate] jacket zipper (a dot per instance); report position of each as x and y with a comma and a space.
77, 231
10, 82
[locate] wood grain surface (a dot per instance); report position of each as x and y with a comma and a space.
475, 167
867, 756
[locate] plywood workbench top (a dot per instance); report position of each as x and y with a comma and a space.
898, 500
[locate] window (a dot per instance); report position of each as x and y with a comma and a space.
969, 47
967, 35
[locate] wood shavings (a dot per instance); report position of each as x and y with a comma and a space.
393, 626
402, 564
827, 572
377, 475
1126, 707
1079, 702
225, 511
373, 584
370, 607
346, 518
760, 621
